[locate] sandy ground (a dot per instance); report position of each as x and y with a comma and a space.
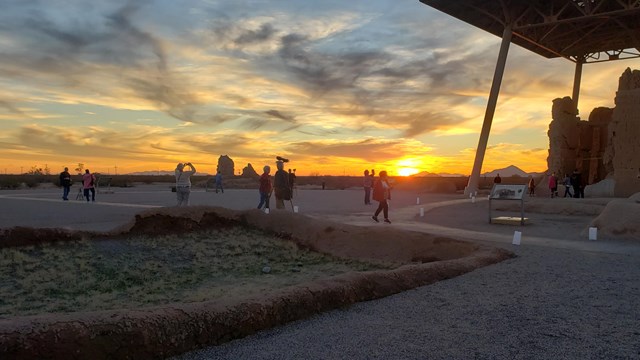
563, 297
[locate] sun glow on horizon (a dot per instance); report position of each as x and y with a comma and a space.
408, 166
407, 171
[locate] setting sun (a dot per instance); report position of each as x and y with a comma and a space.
407, 171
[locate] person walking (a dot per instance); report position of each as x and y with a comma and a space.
381, 194
532, 187
89, 185
219, 182
265, 187
65, 182
183, 183
367, 183
281, 185
566, 182
497, 179
553, 184
576, 183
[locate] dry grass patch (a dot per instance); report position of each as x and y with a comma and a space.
142, 271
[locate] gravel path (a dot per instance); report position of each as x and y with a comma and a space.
545, 304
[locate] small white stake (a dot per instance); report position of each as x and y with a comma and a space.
417, 201
517, 236
421, 212
295, 209
593, 233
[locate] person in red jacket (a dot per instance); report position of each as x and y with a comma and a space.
553, 184
382, 193
89, 185
265, 187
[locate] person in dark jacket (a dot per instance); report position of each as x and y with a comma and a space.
381, 194
576, 183
281, 186
65, 182
367, 183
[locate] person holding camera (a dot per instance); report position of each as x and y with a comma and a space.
183, 182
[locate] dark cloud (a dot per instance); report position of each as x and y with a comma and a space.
254, 123
278, 115
324, 72
10, 107
266, 32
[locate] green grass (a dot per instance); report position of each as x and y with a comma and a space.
145, 271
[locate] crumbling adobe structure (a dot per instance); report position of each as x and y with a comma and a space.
604, 147
226, 166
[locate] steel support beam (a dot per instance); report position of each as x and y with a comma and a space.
577, 78
472, 185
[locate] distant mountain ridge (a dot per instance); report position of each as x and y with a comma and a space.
509, 171
429, 174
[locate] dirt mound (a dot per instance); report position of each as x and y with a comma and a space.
621, 217
163, 331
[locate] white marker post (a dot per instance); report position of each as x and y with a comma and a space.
473, 199
418, 201
295, 209
593, 233
421, 212
517, 236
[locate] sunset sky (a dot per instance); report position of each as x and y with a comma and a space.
337, 86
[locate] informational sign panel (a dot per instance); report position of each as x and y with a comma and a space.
508, 192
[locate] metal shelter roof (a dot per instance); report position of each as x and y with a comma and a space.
578, 30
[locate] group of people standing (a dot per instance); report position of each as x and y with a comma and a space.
573, 181
282, 187
89, 183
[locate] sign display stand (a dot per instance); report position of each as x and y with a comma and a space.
501, 192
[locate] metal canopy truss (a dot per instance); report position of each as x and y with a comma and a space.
584, 31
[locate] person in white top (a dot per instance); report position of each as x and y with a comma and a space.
183, 182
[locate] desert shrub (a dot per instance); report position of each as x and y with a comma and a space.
118, 181
9, 183
32, 181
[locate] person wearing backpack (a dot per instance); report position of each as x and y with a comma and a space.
382, 193
89, 185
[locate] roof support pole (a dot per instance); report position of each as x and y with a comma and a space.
472, 185
577, 78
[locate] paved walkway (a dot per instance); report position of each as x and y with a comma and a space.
559, 299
